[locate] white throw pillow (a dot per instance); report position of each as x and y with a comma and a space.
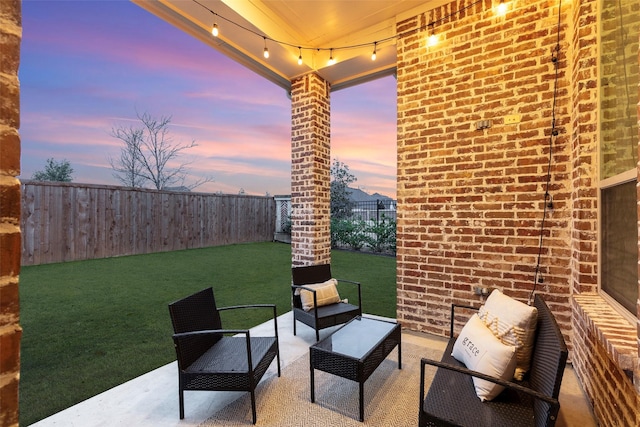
326, 293
514, 323
481, 351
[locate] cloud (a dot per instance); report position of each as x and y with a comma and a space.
89, 66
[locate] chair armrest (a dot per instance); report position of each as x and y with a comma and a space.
348, 281
463, 370
231, 307
294, 287
453, 315
253, 306
234, 307
210, 332
315, 297
351, 282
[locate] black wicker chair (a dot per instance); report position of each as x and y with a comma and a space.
452, 401
324, 316
210, 360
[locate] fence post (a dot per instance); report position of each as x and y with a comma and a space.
379, 205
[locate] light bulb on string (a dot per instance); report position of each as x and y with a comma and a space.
300, 55
331, 60
502, 8
433, 38
373, 55
266, 50
214, 30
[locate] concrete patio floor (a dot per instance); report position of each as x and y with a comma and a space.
152, 399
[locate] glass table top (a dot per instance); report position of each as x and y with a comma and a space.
356, 338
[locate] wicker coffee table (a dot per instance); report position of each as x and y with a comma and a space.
355, 351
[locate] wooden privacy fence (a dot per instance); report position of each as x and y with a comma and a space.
69, 221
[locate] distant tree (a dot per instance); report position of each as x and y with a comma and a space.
341, 203
128, 168
147, 153
55, 171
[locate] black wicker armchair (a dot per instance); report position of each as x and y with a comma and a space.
208, 359
323, 316
452, 401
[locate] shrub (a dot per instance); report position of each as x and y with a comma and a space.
339, 230
381, 236
357, 233
347, 232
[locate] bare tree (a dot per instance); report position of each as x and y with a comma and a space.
128, 168
147, 154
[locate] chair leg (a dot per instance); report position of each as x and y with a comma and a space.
317, 334
294, 325
181, 400
253, 406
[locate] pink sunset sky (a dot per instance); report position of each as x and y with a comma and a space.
88, 66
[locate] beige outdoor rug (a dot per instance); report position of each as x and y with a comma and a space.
390, 396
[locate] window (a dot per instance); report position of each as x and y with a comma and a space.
619, 151
619, 243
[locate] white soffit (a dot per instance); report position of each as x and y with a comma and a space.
314, 25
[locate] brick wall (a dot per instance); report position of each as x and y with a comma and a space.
604, 356
10, 331
583, 72
310, 171
470, 202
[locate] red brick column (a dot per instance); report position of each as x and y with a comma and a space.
584, 145
10, 331
310, 171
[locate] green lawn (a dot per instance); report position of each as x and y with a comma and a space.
91, 325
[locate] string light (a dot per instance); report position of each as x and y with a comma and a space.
537, 278
502, 8
432, 40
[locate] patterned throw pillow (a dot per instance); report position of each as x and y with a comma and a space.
326, 293
481, 351
513, 323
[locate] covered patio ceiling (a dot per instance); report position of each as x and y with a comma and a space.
347, 30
